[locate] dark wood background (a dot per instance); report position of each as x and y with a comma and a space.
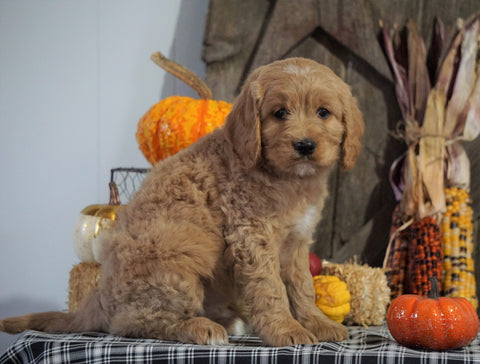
241, 35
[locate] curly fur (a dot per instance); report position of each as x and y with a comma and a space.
219, 233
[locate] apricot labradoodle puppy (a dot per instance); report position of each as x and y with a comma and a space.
217, 238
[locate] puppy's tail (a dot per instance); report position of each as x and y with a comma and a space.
89, 317
45, 321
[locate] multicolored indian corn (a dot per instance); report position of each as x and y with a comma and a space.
415, 256
397, 256
458, 278
425, 255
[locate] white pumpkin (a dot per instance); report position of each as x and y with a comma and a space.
93, 221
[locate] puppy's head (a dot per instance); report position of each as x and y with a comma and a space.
295, 117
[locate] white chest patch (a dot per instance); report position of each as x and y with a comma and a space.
307, 222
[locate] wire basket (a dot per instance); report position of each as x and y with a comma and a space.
127, 180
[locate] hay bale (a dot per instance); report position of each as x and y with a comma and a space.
369, 290
84, 277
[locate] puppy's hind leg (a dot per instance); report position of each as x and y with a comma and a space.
163, 293
169, 311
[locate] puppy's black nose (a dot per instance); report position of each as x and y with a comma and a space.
305, 147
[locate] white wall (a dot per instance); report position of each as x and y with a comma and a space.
75, 77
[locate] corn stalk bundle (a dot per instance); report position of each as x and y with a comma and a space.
439, 97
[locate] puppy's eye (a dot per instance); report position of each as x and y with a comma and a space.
281, 114
323, 113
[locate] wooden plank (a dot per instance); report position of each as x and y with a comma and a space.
363, 196
230, 39
284, 31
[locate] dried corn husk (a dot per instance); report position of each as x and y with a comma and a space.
457, 167
418, 80
431, 150
451, 111
368, 287
464, 82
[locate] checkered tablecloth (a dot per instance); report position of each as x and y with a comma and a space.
366, 345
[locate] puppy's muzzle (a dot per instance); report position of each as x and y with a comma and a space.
305, 147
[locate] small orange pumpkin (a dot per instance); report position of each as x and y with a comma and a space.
178, 121
435, 323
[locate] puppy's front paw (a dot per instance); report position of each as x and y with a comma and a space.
326, 329
200, 330
286, 333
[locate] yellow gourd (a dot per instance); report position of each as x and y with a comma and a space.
332, 297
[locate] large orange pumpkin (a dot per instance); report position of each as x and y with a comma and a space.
178, 121
435, 323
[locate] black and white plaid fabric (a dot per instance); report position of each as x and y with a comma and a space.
366, 345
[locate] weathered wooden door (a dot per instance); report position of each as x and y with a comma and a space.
343, 34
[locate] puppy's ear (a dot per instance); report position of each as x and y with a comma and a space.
354, 127
242, 127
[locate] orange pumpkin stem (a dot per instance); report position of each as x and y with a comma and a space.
183, 74
114, 195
